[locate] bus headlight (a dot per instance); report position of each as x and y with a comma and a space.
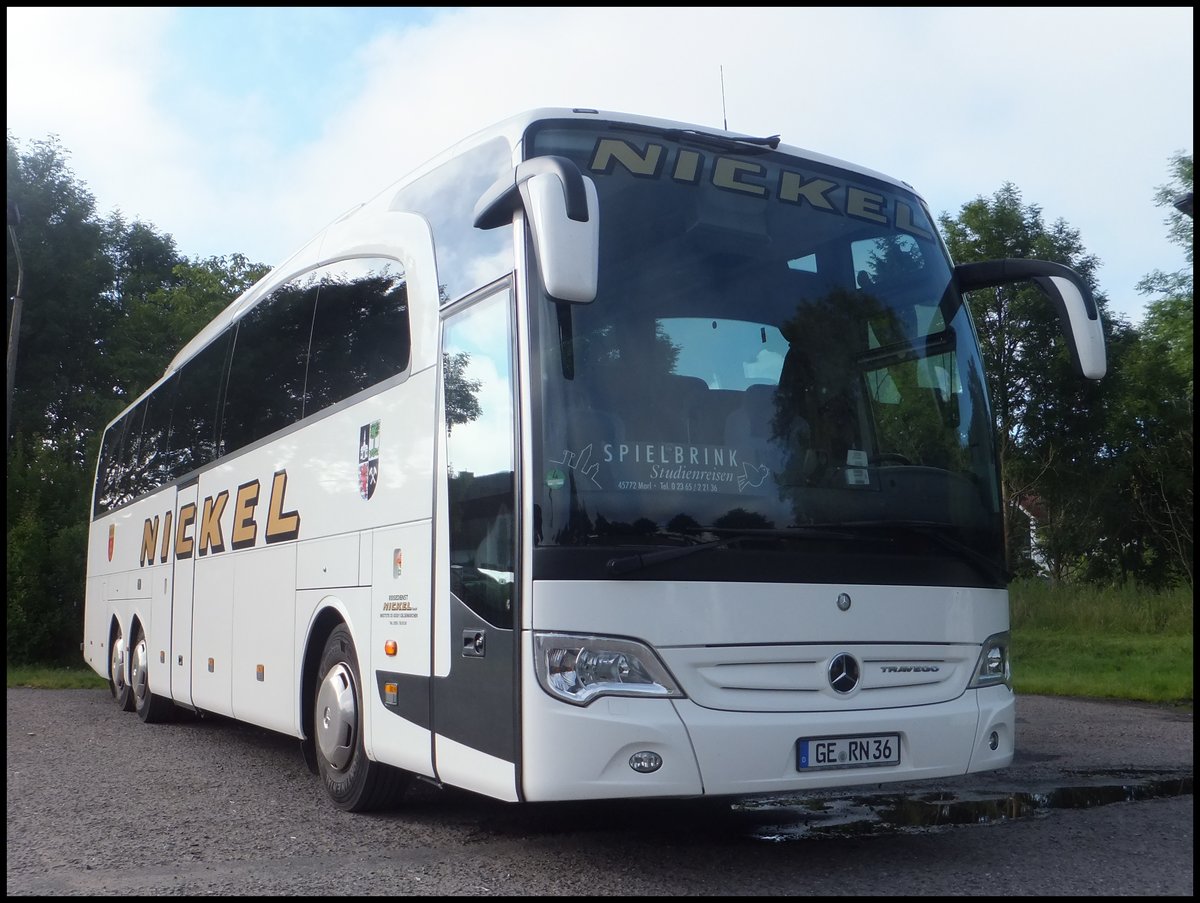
993, 667
578, 669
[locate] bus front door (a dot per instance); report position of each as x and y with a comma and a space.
475, 713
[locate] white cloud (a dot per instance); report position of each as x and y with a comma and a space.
1080, 109
89, 76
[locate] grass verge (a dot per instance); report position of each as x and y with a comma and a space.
1124, 643
50, 678
1138, 668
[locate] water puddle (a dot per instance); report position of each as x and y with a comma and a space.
780, 819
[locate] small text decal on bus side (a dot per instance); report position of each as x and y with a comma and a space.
208, 536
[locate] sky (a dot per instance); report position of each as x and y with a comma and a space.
248, 129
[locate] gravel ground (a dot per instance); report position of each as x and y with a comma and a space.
100, 804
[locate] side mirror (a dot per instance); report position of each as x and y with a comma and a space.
1078, 315
563, 211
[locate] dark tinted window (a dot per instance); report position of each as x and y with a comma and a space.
360, 337
194, 425
131, 454
266, 376
150, 465
108, 473
360, 332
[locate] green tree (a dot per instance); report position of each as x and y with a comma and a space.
1169, 316
1159, 410
1049, 422
107, 303
159, 323
462, 394
63, 247
55, 400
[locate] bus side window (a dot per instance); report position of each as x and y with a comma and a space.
480, 446
193, 441
152, 468
125, 486
360, 333
266, 375
108, 473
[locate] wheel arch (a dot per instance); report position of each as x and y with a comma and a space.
323, 624
115, 629
136, 623
119, 646
152, 707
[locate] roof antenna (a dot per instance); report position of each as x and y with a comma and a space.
723, 115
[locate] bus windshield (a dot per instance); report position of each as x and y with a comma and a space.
777, 367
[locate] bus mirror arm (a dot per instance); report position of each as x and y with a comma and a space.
499, 202
1078, 314
562, 208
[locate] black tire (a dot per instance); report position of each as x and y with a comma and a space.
353, 782
118, 684
151, 708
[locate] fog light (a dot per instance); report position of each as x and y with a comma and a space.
993, 740
645, 762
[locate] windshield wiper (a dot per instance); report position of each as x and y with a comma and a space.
726, 141
909, 350
937, 532
627, 563
743, 143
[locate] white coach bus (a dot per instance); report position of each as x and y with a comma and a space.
601, 457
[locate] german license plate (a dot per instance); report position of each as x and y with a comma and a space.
813, 753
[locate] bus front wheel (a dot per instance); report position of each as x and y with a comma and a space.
353, 782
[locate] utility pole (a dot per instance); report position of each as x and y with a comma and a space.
14, 320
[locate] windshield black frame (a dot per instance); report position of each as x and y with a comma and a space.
634, 411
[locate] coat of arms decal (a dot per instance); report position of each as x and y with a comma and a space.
368, 459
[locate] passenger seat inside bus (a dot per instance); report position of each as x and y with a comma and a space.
664, 406
683, 400
588, 427
819, 385
654, 407
750, 429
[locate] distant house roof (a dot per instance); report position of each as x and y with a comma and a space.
1033, 507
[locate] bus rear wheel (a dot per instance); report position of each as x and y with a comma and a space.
353, 782
150, 707
117, 683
